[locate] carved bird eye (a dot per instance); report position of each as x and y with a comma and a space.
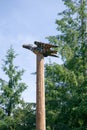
38, 48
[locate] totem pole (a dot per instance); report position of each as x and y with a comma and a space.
41, 50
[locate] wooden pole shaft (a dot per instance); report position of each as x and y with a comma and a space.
40, 94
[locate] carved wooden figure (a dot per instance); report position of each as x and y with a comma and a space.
42, 48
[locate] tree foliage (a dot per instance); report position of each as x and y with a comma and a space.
15, 114
66, 84
11, 90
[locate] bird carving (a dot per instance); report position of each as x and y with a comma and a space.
42, 48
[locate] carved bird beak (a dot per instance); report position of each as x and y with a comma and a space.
27, 46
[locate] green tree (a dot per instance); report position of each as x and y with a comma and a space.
66, 85
25, 117
11, 90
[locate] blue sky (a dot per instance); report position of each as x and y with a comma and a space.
26, 21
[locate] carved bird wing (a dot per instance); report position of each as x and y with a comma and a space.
43, 45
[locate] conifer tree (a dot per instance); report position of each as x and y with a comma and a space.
11, 90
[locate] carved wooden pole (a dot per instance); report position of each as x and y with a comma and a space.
40, 94
41, 50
